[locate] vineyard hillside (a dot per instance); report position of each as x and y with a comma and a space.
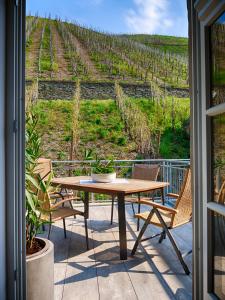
65, 51
131, 110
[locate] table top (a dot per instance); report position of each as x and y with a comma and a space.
119, 186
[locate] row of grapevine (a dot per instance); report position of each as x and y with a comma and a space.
52, 50
47, 53
31, 25
136, 123
75, 136
40, 48
31, 94
79, 69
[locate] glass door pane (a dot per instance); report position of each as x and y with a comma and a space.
218, 61
219, 255
218, 158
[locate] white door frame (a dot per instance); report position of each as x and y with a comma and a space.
203, 14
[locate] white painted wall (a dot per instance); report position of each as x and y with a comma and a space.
2, 150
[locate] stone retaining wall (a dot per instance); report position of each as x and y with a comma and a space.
178, 92
52, 90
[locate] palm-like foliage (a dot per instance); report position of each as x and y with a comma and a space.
34, 184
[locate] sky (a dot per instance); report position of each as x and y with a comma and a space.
167, 17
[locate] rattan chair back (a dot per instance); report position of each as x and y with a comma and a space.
221, 197
145, 172
184, 202
44, 168
45, 205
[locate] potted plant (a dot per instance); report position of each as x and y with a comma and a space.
39, 251
103, 170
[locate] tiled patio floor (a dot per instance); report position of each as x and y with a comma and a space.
154, 272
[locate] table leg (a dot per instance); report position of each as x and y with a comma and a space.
122, 227
162, 195
139, 210
86, 205
86, 216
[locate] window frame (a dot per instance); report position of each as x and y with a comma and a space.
15, 149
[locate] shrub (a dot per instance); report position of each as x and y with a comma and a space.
102, 133
98, 121
68, 138
61, 155
121, 141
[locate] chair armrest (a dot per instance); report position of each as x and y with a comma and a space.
56, 193
59, 203
147, 199
156, 205
63, 199
172, 195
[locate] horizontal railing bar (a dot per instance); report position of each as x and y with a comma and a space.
124, 167
128, 160
89, 167
174, 167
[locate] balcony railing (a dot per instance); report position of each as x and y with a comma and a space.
171, 170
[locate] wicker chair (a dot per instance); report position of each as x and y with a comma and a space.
44, 169
142, 172
168, 218
51, 213
221, 195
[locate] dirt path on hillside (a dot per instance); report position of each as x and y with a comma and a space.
33, 53
63, 72
83, 53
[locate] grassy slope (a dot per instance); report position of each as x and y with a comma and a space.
175, 140
178, 45
101, 128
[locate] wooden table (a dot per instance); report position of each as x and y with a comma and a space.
119, 188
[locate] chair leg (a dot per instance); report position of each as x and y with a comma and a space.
64, 227
71, 205
132, 205
139, 210
43, 227
167, 231
112, 209
142, 232
86, 233
162, 236
49, 230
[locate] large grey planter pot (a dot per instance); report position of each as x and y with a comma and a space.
40, 273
